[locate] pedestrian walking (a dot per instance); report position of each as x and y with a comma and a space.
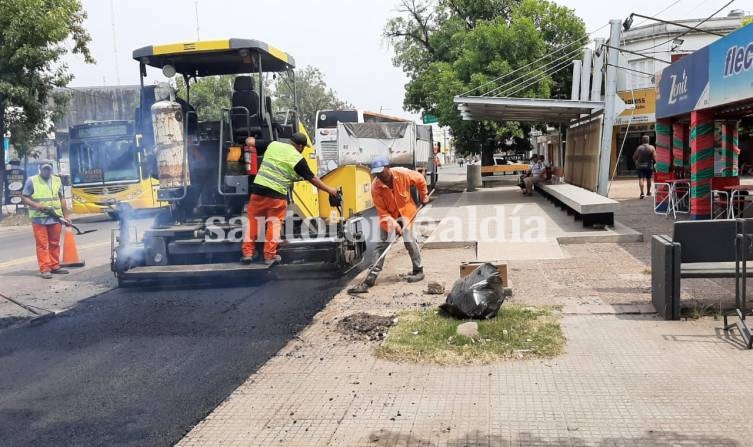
391, 192
644, 158
43, 194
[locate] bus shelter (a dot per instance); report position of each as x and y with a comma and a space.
578, 160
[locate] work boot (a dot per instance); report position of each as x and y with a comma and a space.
46, 275
60, 271
247, 259
370, 279
272, 261
415, 276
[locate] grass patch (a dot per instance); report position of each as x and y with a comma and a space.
697, 310
426, 336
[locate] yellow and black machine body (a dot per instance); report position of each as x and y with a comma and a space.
204, 170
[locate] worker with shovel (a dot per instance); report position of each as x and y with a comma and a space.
391, 192
43, 193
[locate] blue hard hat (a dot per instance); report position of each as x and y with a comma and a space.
378, 164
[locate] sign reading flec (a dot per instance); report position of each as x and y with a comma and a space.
731, 67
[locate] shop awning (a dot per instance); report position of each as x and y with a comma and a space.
482, 108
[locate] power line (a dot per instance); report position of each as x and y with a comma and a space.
546, 71
688, 31
555, 51
556, 61
541, 76
549, 72
551, 63
496, 88
648, 75
663, 10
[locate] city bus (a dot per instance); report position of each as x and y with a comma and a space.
106, 169
325, 130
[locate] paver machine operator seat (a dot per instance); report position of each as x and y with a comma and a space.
245, 115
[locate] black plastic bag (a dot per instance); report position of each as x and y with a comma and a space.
478, 295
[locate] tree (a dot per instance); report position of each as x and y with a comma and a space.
209, 95
450, 47
312, 92
34, 35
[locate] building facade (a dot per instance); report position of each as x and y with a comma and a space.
658, 45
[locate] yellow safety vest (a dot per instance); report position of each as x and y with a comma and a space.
277, 168
46, 195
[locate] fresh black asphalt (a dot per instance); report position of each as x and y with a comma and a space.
140, 367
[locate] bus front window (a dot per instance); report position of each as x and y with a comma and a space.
103, 162
328, 119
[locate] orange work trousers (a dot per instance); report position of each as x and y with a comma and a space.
48, 246
264, 210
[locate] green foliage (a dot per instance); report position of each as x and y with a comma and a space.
208, 95
34, 35
450, 47
313, 94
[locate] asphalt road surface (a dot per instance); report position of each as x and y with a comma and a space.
19, 243
142, 366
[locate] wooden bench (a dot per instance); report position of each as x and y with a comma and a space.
591, 208
697, 249
503, 169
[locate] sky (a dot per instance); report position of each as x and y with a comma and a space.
342, 38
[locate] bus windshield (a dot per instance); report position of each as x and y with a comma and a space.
327, 119
103, 161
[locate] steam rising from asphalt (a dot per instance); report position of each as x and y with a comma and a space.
131, 229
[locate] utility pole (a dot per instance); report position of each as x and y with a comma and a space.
610, 95
114, 43
196, 11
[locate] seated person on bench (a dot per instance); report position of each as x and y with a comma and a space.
536, 174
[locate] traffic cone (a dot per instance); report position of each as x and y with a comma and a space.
70, 251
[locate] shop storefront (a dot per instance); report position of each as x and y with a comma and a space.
704, 116
630, 126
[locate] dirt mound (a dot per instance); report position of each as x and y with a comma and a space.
363, 326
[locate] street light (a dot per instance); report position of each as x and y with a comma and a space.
629, 22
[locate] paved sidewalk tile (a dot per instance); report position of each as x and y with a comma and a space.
624, 381
626, 378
